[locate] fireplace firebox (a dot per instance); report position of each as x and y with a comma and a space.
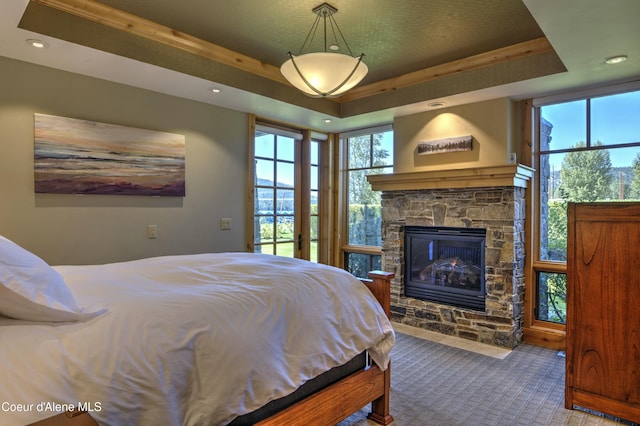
445, 265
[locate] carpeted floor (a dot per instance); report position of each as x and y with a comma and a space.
433, 384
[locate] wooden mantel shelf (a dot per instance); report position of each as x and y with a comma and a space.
514, 175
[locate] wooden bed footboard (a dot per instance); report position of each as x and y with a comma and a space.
330, 405
379, 283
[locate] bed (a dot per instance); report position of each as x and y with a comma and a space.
206, 339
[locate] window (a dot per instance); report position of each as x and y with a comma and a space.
365, 152
286, 192
588, 150
275, 203
314, 200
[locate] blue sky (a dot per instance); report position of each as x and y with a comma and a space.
614, 119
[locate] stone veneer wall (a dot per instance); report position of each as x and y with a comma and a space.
501, 211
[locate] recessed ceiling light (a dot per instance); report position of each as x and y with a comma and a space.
327, 120
216, 90
37, 43
616, 59
437, 104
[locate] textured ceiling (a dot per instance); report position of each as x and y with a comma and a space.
396, 37
399, 38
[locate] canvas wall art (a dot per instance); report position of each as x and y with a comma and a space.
460, 143
84, 157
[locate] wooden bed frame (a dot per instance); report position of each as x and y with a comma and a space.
326, 407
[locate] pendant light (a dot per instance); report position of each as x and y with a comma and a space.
324, 74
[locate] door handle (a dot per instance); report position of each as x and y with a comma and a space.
299, 241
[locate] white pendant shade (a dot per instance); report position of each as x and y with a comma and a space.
330, 74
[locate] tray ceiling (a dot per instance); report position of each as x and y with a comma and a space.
415, 50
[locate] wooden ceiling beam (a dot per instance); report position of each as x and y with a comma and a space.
94, 11
493, 57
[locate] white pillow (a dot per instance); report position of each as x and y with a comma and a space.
30, 289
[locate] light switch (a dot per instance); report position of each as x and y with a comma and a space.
225, 223
152, 231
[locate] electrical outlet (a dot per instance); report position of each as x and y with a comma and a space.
225, 223
152, 231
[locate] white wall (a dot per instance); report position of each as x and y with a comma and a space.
80, 229
489, 122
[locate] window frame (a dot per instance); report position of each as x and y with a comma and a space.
344, 247
302, 187
538, 331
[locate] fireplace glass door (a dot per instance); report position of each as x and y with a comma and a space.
445, 265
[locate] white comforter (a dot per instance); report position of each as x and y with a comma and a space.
188, 340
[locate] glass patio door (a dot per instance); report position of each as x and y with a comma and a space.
285, 193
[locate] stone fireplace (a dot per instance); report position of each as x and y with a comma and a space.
491, 200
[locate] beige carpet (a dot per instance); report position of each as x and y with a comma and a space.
436, 384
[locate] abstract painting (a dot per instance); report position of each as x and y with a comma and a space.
75, 156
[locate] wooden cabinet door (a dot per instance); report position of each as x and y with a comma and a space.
603, 308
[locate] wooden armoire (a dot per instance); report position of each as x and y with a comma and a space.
603, 308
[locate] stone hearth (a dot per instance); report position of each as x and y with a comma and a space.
490, 198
